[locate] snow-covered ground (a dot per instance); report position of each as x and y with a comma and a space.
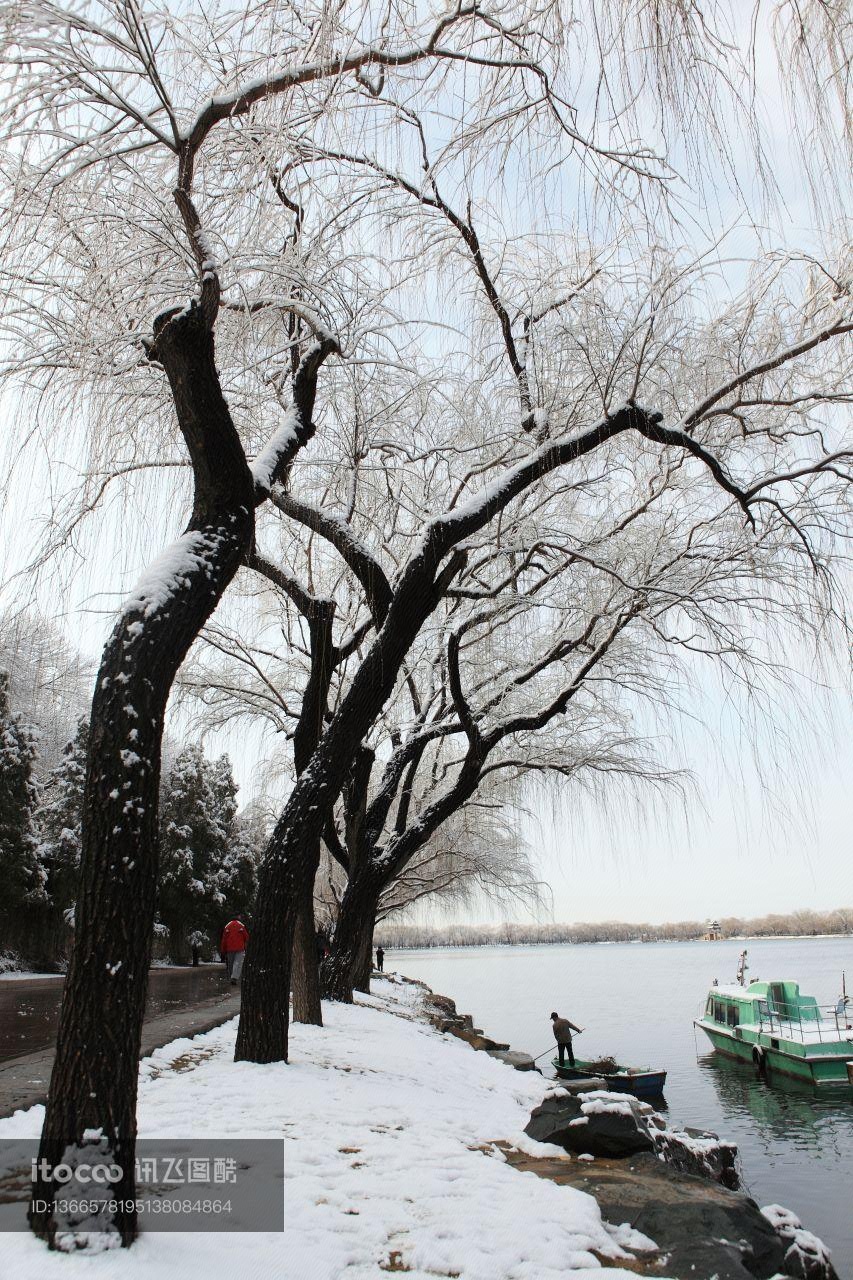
18, 975
382, 1118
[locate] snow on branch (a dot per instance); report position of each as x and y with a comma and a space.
270, 460
298, 425
173, 572
354, 552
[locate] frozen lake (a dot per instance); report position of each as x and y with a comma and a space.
637, 1002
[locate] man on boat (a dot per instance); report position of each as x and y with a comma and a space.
563, 1035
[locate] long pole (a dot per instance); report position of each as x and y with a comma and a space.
552, 1047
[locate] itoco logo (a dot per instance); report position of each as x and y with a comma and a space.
85, 1174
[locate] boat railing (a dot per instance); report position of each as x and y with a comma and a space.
813, 1022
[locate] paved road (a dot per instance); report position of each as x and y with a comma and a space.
29, 1007
181, 1002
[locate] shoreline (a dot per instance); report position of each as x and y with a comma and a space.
680, 1197
407, 1150
621, 942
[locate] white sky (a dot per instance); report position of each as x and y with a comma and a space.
737, 848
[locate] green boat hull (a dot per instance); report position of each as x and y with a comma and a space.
757, 1048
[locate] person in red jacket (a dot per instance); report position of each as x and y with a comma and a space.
232, 947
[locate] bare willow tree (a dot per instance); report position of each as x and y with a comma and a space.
747, 449
142, 147
478, 858
546, 362
257, 177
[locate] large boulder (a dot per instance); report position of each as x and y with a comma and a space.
444, 1004
701, 1230
514, 1058
697, 1151
595, 1124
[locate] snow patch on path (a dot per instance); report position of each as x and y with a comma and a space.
382, 1119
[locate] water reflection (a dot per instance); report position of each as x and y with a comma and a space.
784, 1113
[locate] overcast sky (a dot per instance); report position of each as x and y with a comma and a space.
737, 850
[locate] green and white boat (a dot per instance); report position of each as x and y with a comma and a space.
774, 1026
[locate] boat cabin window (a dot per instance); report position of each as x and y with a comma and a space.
721, 1011
731, 1015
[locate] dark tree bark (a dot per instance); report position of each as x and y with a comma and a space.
364, 959
293, 846
306, 961
350, 964
306, 967
94, 1079
319, 614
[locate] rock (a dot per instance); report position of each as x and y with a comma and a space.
696, 1151
598, 1122
444, 1003
601, 1125
443, 1023
806, 1257
514, 1058
701, 1230
476, 1040
573, 1087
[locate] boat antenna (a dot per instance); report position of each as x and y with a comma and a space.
742, 967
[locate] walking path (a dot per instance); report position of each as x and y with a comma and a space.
24, 1080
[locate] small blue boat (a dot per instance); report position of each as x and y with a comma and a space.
641, 1082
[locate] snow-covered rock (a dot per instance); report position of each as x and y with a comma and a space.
807, 1257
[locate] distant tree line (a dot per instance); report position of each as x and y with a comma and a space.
798, 923
208, 852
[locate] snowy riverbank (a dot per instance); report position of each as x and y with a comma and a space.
390, 1163
382, 1119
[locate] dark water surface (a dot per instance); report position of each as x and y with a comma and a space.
29, 1007
637, 1002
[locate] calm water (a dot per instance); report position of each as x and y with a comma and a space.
637, 1002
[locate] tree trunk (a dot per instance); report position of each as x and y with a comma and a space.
350, 964
290, 854
92, 1096
306, 963
306, 967
364, 957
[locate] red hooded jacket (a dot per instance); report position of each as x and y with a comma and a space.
235, 935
